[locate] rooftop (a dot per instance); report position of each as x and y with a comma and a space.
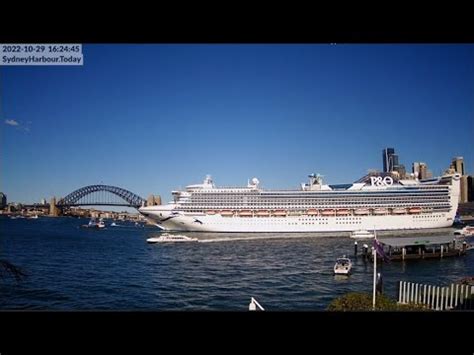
403, 241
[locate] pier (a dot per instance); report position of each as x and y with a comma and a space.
422, 247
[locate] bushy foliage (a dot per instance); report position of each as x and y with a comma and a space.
359, 301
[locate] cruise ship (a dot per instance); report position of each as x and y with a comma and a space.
379, 202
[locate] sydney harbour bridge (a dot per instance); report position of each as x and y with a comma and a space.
97, 195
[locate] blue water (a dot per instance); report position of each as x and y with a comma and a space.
71, 268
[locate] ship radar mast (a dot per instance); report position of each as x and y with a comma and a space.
253, 183
315, 182
315, 179
208, 181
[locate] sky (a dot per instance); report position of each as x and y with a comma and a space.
152, 118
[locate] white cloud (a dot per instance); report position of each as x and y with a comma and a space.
12, 123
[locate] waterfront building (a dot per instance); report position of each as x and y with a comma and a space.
420, 170
150, 200
464, 190
3, 200
458, 165
400, 169
470, 188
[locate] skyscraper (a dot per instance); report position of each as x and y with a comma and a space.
388, 160
3, 200
458, 165
420, 169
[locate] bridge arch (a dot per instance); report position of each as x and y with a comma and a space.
73, 198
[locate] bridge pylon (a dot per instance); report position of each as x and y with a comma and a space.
53, 210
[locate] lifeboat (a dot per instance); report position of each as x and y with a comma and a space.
312, 212
262, 213
343, 212
399, 211
328, 213
380, 211
362, 211
227, 213
279, 213
414, 210
245, 213
211, 212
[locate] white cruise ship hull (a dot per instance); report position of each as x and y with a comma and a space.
217, 223
364, 206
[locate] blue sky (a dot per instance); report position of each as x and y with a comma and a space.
152, 118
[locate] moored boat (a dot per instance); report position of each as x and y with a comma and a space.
343, 266
361, 234
467, 231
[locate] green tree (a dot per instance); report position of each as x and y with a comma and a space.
360, 301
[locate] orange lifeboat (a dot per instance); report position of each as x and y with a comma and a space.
211, 212
279, 213
362, 211
245, 213
262, 213
343, 212
328, 213
399, 211
227, 213
312, 212
414, 210
380, 211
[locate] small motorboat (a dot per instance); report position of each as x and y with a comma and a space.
173, 238
362, 234
94, 224
113, 224
467, 231
343, 266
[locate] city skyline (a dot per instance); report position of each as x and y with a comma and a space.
153, 118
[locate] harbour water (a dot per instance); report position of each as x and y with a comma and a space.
72, 268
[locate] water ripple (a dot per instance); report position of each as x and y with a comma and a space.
71, 268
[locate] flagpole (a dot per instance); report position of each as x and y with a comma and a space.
374, 253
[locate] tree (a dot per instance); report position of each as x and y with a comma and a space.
359, 301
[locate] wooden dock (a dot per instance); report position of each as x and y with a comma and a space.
412, 248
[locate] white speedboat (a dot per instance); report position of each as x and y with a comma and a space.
173, 238
113, 224
362, 234
467, 231
343, 266
94, 224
